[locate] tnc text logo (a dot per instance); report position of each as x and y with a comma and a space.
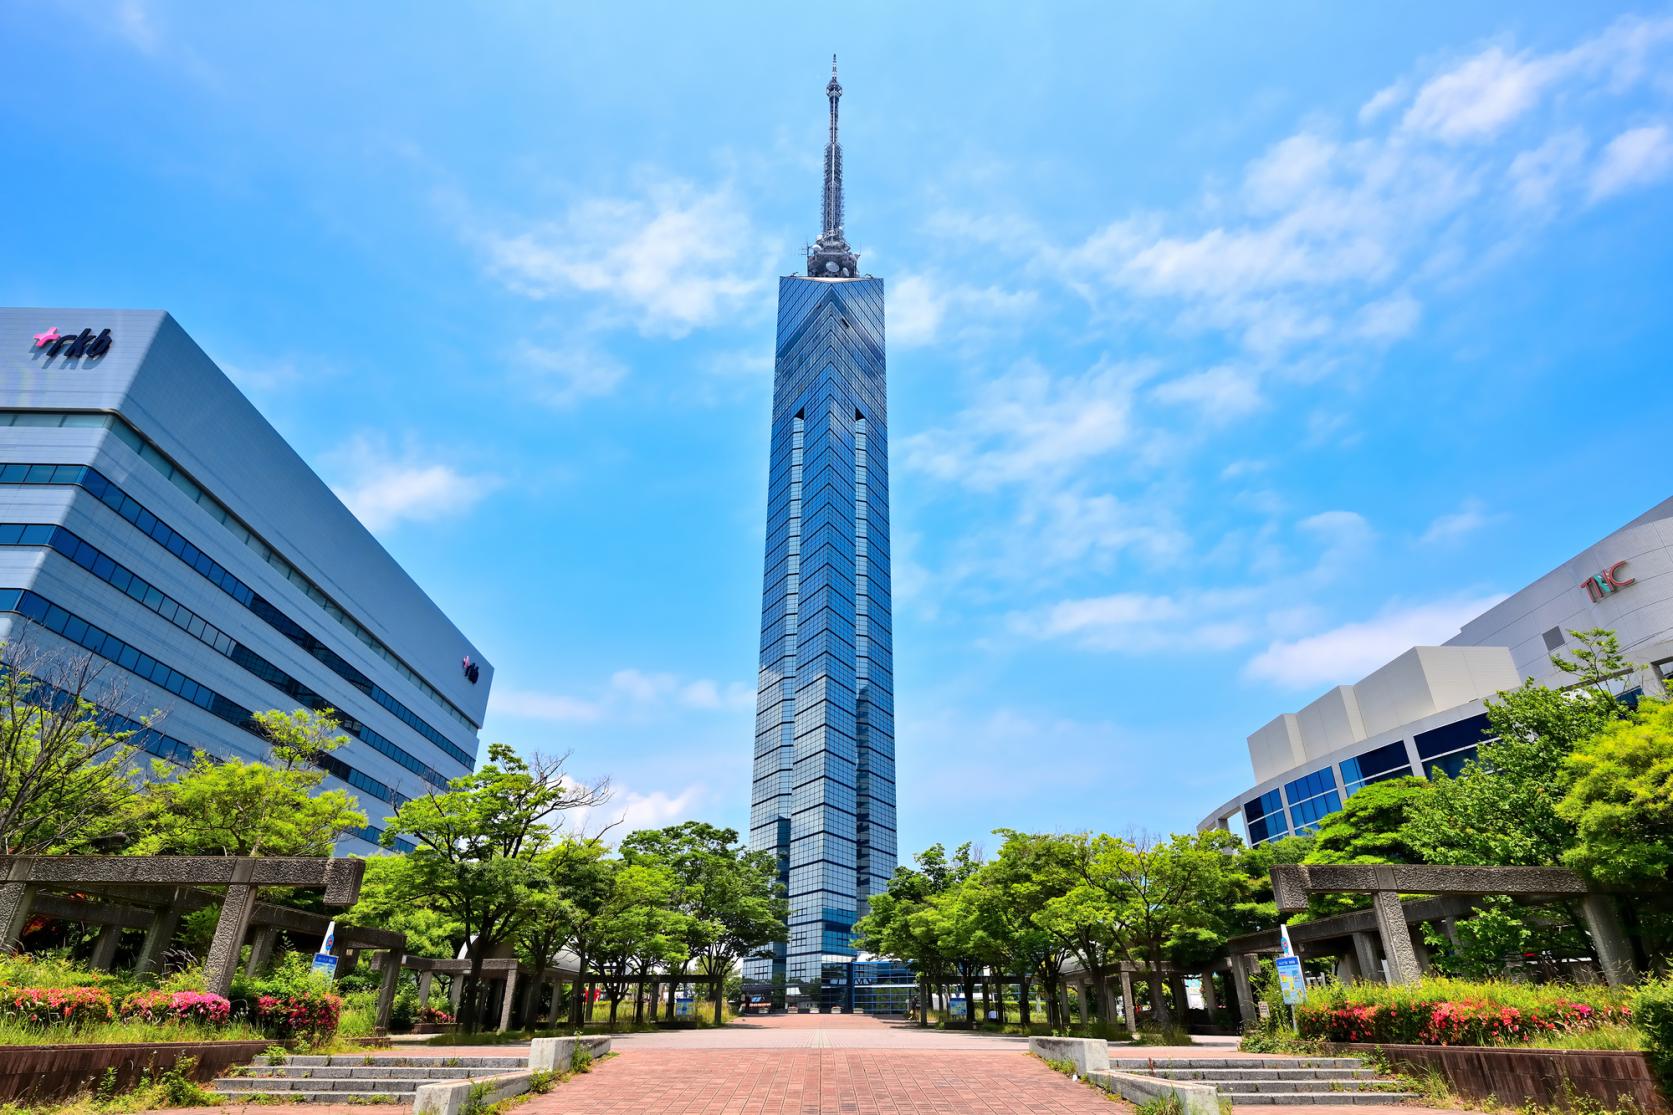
73, 345
1609, 581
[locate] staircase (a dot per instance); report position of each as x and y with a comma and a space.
1268, 1080
354, 1078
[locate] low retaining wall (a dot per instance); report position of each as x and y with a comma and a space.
1196, 1099
450, 1097
1546, 1077
39, 1073
1086, 1054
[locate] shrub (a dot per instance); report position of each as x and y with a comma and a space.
59, 1006
1652, 1010
1453, 1012
309, 1014
177, 1006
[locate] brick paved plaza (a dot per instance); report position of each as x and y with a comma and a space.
804, 1064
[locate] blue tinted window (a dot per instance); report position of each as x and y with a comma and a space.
1387, 761
1450, 737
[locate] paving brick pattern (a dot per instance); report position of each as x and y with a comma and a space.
799, 1081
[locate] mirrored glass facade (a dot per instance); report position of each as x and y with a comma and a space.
823, 798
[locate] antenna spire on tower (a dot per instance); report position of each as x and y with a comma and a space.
831, 257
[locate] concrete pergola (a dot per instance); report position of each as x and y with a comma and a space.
1293, 883
1120, 986
152, 893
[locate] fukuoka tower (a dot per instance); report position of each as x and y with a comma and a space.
823, 798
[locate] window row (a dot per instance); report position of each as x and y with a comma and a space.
42, 611
65, 542
218, 575
218, 511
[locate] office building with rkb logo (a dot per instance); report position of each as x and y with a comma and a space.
1425, 711
155, 525
823, 792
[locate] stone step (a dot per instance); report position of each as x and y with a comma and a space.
1210, 1075
243, 1084
375, 1072
1242, 1099
371, 1099
350, 1060
1338, 1087
1139, 1064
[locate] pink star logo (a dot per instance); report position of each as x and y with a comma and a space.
44, 339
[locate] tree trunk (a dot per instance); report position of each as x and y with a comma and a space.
1160, 1014
718, 988
615, 1002
1022, 1001
969, 981
925, 993
1100, 994
578, 989
473, 1006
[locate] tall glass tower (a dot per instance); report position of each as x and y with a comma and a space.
824, 790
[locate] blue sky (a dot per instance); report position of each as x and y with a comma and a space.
1233, 348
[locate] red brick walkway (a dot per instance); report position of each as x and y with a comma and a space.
804, 1082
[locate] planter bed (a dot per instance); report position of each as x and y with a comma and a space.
42, 1073
1514, 1076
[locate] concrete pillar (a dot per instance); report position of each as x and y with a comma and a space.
455, 991
1083, 992
1181, 1002
1420, 950
1245, 994
1210, 1001
1397, 938
1064, 1019
424, 981
158, 935
1449, 926
1609, 940
228, 941
1365, 956
386, 989
104, 948
505, 1001
15, 902
261, 949
1129, 1005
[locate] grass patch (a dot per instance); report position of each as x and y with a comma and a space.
172, 1087
16, 1032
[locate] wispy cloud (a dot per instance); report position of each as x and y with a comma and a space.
386, 485
1634, 158
673, 258
1342, 655
628, 694
564, 375
1470, 517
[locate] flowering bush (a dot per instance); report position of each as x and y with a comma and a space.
299, 1013
1445, 1012
435, 1016
176, 1006
59, 1006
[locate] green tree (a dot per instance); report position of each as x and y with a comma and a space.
902, 922
1251, 906
1162, 898
1502, 808
1370, 828
737, 908
65, 768
385, 903
478, 847
1079, 914
236, 808
1620, 801
1003, 893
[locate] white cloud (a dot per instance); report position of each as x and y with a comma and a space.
1469, 518
1634, 158
1343, 655
1028, 425
1479, 97
1389, 319
672, 260
627, 694
628, 811
385, 486
1220, 395
564, 376
923, 310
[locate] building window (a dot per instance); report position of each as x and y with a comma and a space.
1311, 796
1376, 765
1554, 638
1264, 817
1449, 747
